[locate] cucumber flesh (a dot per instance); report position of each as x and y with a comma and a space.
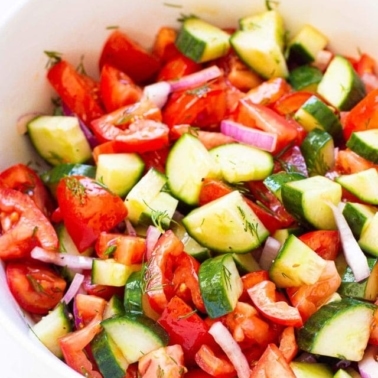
365, 144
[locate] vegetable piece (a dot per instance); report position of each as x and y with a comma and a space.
326, 243
225, 340
88, 209
178, 67
331, 322
365, 144
263, 296
305, 78
215, 225
135, 335
368, 236
23, 225
220, 285
201, 41
368, 365
358, 216
340, 85
303, 369
110, 272
128, 56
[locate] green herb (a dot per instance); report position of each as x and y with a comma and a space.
199, 91
76, 188
112, 27
184, 17
160, 372
54, 58
80, 68
269, 6
172, 5
188, 315
248, 226
57, 104
227, 277
110, 250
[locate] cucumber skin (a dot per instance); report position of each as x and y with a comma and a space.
358, 146
133, 293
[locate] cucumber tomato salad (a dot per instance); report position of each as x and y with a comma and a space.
209, 207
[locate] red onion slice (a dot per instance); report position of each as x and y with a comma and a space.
196, 79
62, 259
354, 256
73, 289
269, 252
157, 93
248, 135
322, 59
153, 235
368, 366
232, 349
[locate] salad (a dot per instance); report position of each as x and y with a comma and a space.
209, 207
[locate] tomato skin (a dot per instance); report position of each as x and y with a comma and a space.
251, 279
185, 327
36, 287
158, 275
177, 67
263, 296
88, 209
26, 180
23, 225
86, 307
203, 106
164, 47
288, 344
326, 243
291, 159
128, 56
348, 162
289, 103
117, 89
155, 159
76, 90
363, 116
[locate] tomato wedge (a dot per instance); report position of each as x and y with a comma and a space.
36, 287
23, 226
326, 243
87, 209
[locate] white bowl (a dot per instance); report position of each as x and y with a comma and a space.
77, 27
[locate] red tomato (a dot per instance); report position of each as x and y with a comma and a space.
348, 162
308, 298
125, 249
197, 373
185, 281
86, 307
251, 279
117, 89
373, 339
326, 243
169, 360
102, 291
177, 67
288, 131
24, 179
291, 159
365, 64
128, 56
215, 365
272, 364
289, 103
155, 159
288, 344
88, 209
158, 275
164, 47
73, 344
36, 287
362, 116
203, 106
23, 226
76, 90
185, 327
263, 296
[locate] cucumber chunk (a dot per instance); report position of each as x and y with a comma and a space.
305, 78
296, 264
240, 162
59, 139
275, 181
201, 41
303, 369
136, 335
220, 285
215, 225
340, 85
346, 323
318, 152
368, 240
119, 172
365, 144
188, 163
111, 273
299, 198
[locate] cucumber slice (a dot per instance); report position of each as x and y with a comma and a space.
300, 196
365, 144
59, 139
245, 263
201, 41
368, 240
111, 273
363, 184
340, 85
260, 44
52, 327
314, 113
318, 150
52, 177
108, 357
240, 162
135, 336
220, 285
142, 194
305, 45
358, 216
119, 172
275, 181
188, 163
114, 307
132, 299
303, 369
366, 289
345, 322
296, 264
305, 78
215, 225
341, 373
